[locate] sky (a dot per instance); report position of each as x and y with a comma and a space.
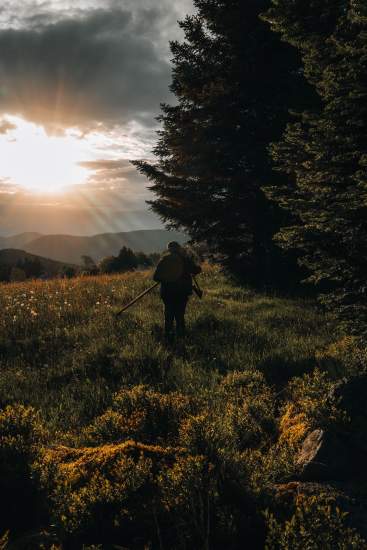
80, 88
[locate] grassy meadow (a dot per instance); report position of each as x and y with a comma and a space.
112, 438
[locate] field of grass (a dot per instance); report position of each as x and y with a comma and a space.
111, 438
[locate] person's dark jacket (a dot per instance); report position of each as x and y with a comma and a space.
182, 286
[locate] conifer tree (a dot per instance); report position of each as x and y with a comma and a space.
324, 152
234, 81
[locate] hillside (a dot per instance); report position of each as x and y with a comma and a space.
69, 248
10, 257
18, 241
135, 443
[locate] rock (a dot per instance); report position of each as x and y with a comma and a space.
324, 456
339, 456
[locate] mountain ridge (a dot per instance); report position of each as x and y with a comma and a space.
19, 240
68, 249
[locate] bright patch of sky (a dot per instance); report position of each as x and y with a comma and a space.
85, 79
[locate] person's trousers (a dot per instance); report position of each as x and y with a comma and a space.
174, 310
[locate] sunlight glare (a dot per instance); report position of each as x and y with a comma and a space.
38, 162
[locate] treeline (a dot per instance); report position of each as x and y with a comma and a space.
22, 269
126, 260
34, 268
263, 156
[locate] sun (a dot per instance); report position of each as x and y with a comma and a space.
38, 162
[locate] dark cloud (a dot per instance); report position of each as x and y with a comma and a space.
95, 64
105, 65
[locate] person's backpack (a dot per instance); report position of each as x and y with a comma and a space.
170, 269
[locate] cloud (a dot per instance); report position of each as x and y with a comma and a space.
112, 170
6, 126
100, 67
104, 66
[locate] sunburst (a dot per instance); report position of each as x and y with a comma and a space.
38, 162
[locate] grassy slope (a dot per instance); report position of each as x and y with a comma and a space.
63, 352
143, 466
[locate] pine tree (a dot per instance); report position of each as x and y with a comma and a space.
324, 152
234, 82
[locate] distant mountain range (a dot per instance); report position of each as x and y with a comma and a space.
70, 248
18, 241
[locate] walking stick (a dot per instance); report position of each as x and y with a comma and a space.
197, 289
136, 299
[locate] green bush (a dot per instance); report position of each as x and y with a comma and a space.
140, 413
346, 357
21, 434
313, 396
98, 492
317, 523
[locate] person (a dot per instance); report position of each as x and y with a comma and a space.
174, 271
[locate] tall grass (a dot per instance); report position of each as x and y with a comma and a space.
64, 352
112, 436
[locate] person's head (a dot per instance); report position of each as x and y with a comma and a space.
174, 246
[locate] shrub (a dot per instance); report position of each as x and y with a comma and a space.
314, 401
209, 503
310, 403
21, 434
238, 414
249, 408
346, 357
142, 414
188, 491
104, 494
294, 425
316, 523
113, 427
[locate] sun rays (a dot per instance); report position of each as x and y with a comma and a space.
38, 162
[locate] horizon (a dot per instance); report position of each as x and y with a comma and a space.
81, 90
13, 235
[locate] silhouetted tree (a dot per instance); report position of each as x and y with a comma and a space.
234, 82
89, 265
325, 152
5, 272
125, 261
109, 264
143, 260
31, 267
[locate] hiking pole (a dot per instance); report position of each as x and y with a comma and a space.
136, 299
197, 289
